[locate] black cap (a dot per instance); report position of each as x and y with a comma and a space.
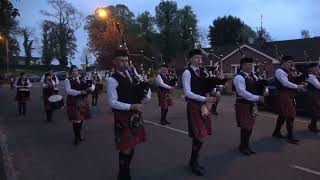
22, 73
194, 52
120, 52
287, 58
246, 60
73, 67
49, 68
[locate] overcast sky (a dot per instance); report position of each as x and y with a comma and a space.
283, 19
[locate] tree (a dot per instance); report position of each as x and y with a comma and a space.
167, 20
8, 28
229, 30
48, 42
146, 25
305, 34
27, 44
85, 58
66, 19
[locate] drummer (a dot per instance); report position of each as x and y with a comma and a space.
23, 93
47, 91
53, 77
97, 81
77, 103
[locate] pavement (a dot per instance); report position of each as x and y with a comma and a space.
44, 151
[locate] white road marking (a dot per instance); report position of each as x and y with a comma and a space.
305, 169
7, 159
167, 127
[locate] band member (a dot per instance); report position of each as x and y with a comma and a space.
54, 77
314, 95
77, 102
96, 78
11, 81
47, 91
164, 89
199, 126
286, 103
23, 93
106, 75
128, 117
245, 87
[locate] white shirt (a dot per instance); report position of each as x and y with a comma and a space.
186, 82
45, 85
312, 79
56, 82
240, 85
160, 83
17, 86
73, 92
282, 77
112, 95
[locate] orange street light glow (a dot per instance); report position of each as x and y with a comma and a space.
101, 13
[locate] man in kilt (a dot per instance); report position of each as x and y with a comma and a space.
127, 108
96, 78
53, 77
77, 102
314, 95
286, 103
47, 91
23, 93
164, 89
245, 86
199, 126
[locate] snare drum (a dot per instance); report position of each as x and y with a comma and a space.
23, 94
56, 102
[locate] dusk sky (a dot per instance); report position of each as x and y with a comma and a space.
283, 19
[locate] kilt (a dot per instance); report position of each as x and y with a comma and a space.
97, 91
21, 98
244, 115
46, 103
164, 99
286, 104
78, 108
198, 126
315, 104
127, 137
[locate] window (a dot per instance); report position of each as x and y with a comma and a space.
235, 68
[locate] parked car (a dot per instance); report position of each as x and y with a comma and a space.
33, 78
270, 103
61, 75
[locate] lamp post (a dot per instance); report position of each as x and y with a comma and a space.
7, 50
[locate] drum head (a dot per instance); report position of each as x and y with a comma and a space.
55, 98
56, 89
24, 90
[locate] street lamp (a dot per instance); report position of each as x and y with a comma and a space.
101, 13
2, 38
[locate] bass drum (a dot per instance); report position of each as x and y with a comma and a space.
56, 102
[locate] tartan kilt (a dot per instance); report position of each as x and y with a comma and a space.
126, 137
286, 104
97, 91
198, 126
244, 115
315, 104
164, 99
78, 108
20, 98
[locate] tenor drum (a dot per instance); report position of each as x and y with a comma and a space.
56, 102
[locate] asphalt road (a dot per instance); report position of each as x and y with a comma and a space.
42, 151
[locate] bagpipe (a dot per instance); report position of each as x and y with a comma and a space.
173, 78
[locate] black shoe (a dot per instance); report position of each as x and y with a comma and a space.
251, 151
196, 169
278, 135
293, 141
163, 123
167, 122
245, 151
313, 129
81, 139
